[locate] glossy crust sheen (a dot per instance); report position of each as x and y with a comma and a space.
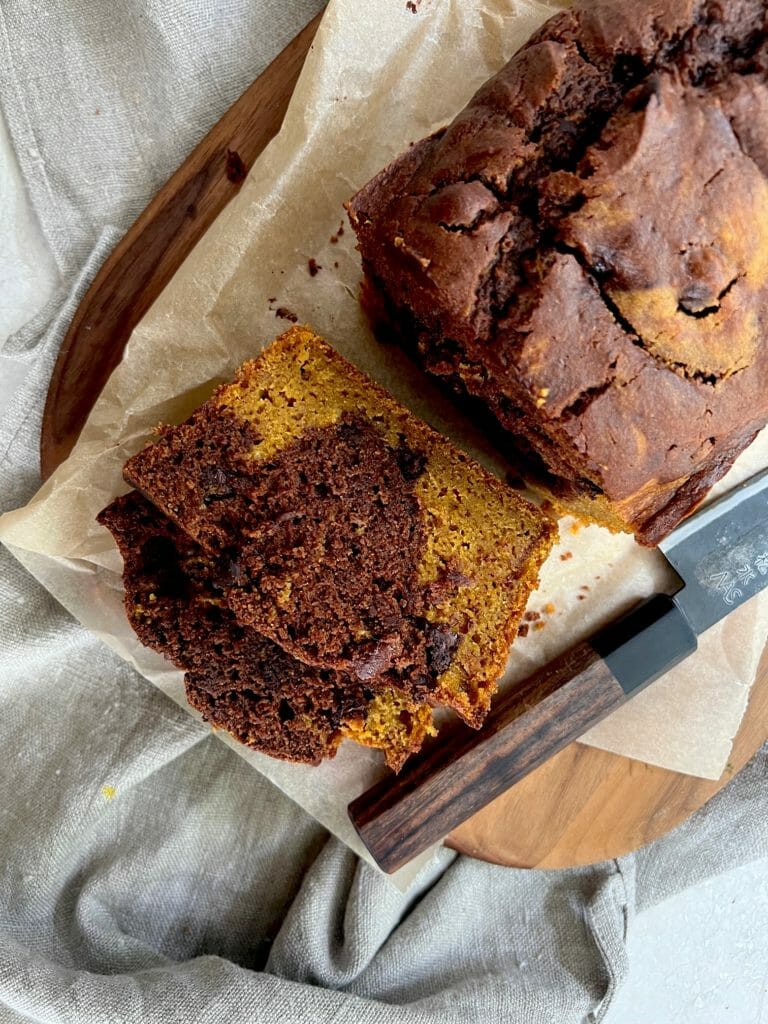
584, 250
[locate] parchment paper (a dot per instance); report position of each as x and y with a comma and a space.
378, 76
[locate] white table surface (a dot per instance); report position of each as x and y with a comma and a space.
699, 958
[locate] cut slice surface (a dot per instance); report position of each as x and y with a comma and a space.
355, 537
238, 679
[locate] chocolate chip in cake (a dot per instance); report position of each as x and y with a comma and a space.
441, 644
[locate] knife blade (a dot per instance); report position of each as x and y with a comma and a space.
720, 555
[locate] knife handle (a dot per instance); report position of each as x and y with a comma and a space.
402, 816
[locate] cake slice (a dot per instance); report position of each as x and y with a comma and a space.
583, 253
355, 537
239, 680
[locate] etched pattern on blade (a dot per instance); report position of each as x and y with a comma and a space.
721, 553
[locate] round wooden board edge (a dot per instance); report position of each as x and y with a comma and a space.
587, 805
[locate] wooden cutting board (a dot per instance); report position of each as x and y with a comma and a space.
584, 805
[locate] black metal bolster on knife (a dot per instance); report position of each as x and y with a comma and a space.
646, 642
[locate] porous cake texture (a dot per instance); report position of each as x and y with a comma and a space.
238, 679
349, 533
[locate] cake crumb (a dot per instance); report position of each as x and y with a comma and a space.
236, 169
313, 266
539, 625
413, 6
336, 264
549, 608
522, 629
575, 527
584, 586
286, 314
581, 597
566, 555
532, 616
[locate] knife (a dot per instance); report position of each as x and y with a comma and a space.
720, 555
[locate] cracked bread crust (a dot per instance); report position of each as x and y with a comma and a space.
583, 250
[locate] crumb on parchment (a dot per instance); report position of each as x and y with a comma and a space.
286, 314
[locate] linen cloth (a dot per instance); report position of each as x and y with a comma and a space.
146, 872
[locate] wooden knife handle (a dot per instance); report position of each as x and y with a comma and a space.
399, 818
459, 774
